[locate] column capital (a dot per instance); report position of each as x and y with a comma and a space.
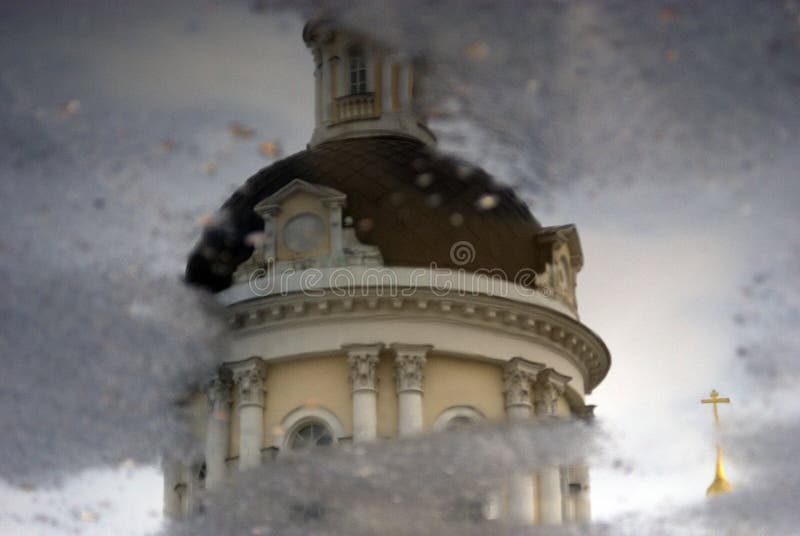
219, 392
363, 359
249, 376
518, 373
549, 385
409, 361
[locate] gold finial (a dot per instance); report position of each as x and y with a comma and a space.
720, 484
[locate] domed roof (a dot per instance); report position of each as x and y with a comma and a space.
404, 197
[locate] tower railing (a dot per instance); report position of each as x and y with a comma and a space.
355, 107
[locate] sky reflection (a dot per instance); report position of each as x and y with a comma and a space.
677, 161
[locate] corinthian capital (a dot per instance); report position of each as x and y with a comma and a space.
548, 387
250, 376
409, 361
362, 360
219, 392
517, 377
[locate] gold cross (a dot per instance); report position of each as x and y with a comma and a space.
716, 399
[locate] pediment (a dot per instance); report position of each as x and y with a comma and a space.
325, 195
303, 228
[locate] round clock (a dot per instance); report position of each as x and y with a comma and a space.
303, 232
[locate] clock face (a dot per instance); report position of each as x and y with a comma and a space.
303, 232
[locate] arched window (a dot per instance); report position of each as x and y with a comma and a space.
358, 72
458, 422
456, 417
310, 434
306, 428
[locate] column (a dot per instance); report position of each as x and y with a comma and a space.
395, 87
377, 82
517, 378
341, 62
333, 68
550, 507
326, 87
363, 359
250, 376
409, 361
318, 102
579, 484
583, 507
405, 86
192, 492
172, 477
547, 388
386, 83
334, 206
567, 495
218, 427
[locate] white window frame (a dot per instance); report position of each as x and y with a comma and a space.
352, 57
298, 417
454, 412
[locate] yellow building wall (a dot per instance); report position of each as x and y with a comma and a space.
562, 408
324, 382
452, 381
313, 381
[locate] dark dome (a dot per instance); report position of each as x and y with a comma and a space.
402, 196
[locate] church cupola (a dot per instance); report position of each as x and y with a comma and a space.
375, 288
361, 88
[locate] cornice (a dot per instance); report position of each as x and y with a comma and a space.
541, 325
395, 281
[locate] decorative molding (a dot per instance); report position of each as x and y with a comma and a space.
362, 360
577, 343
547, 388
272, 204
219, 393
565, 260
517, 377
558, 235
394, 281
250, 377
409, 361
